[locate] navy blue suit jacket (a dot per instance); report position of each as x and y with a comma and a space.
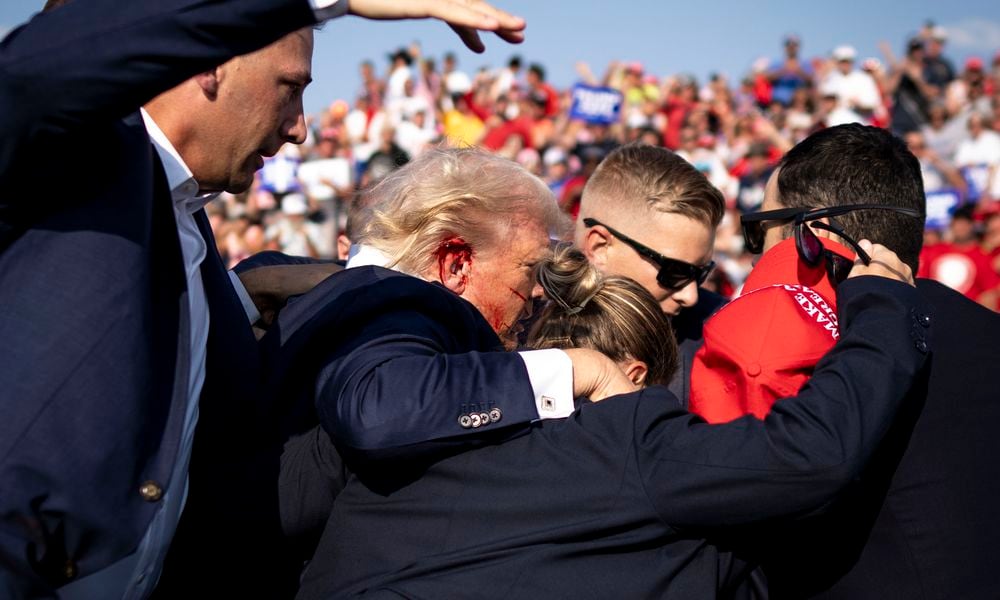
365, 350
92, 287
632, 497
922, 521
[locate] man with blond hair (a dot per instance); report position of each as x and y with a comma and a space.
648, 214
445, 265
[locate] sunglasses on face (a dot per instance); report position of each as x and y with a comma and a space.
809, 247
673, 274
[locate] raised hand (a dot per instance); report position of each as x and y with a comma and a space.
466, 17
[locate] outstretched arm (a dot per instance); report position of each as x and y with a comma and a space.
810, 446
466, 17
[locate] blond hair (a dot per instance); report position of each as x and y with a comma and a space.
454, 192
613, 315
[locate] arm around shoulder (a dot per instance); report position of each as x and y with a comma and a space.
810, 446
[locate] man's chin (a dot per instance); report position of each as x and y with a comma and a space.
240, 182
671, 311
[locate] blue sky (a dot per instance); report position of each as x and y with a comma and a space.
667, 36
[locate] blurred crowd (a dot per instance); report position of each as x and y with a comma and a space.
733, 131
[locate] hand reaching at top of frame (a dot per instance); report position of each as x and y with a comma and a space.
466, 17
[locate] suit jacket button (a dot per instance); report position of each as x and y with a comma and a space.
922, 346
477, 421
486, 418
495, 415
70, 570
465, 421
151, 491
925, 320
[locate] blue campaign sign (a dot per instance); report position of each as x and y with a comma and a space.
940, 204
596, 104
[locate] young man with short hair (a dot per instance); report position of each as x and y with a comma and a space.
648, 214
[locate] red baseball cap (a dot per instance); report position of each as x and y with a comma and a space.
974, 63
759, 348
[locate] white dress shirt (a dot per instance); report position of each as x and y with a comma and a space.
135, 576
550, 371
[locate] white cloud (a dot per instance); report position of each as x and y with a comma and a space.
974, 33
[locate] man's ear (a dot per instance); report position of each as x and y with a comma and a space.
636, 371
595, 246
454, 264
823, 233
208, 81
343, 246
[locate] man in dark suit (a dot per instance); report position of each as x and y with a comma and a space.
403, 371
921, 522
631, 497
122, 331
647, 195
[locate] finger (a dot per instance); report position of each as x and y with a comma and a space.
891, 268
510, 35
506, 20
459, 15
470, 37
453, 12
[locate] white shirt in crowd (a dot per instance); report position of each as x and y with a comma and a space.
855, 90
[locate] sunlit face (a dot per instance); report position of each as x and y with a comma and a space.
673, 235
502, 283
257, 109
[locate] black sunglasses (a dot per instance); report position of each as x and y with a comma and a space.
673, 274
809, 247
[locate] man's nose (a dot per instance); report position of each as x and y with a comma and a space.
687, 296
296, 134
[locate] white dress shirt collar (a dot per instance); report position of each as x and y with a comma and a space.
183, 187
367, 256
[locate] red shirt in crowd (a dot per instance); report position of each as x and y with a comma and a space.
965, 268
497, 136
551, 99
763, 345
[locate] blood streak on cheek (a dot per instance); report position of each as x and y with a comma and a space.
517, 293
496, 317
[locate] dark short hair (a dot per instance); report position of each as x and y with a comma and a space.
53, 4
538, 70
852, 164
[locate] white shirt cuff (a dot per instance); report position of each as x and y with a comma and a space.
551, 375
329, 9
248, 306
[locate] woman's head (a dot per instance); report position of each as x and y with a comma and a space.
613, 315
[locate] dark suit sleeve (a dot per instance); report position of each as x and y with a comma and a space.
810, 446
99, 60
395, 392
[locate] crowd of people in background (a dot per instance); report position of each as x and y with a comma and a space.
732, 131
